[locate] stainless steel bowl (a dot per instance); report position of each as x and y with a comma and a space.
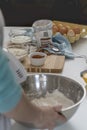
37, 86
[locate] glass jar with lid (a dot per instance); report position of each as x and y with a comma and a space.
43, 31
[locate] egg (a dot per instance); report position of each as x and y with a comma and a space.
63, 30
55, 29
71, 33
83, 33
68, 27
59, 25
76, 30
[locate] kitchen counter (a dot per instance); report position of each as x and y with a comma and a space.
72, 69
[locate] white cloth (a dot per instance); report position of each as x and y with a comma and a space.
5, 123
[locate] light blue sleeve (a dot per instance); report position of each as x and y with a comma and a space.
10, 90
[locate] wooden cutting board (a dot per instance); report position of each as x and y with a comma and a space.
53, 64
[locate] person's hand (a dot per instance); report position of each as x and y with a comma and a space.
48, 117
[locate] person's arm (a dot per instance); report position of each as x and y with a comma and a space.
14, 103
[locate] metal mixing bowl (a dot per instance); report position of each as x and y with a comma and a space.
37, 86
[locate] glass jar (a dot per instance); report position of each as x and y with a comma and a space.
43, 32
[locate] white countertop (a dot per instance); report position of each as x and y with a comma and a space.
72, 69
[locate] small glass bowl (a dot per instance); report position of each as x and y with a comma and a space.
21, 37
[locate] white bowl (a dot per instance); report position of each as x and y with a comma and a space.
37, 58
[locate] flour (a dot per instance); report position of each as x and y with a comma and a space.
53, 99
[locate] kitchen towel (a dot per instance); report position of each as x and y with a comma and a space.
62, 44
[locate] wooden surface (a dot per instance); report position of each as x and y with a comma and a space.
53, 64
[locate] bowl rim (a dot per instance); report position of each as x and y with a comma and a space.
83, 87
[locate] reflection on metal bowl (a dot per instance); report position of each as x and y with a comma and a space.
37, 85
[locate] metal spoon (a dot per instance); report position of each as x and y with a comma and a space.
55, 49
